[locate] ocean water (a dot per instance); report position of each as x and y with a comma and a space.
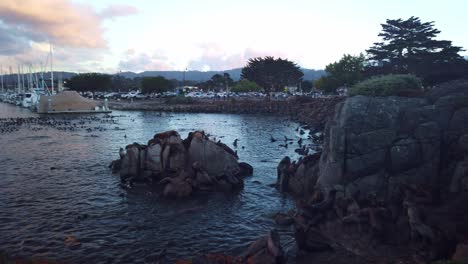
55, 183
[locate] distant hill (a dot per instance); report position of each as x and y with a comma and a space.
200, 76
197, 76
12, 79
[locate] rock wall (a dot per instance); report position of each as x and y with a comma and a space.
373, 145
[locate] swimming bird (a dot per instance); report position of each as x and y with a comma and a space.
272, 139
235, 143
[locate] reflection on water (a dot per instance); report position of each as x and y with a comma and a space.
56, 183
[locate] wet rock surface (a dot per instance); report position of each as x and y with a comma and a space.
182, 167
391, 181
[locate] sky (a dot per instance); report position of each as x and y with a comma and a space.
143, 35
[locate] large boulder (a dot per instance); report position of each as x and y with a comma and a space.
182, 167
153, 158
375, 144
212, 157
298, 178
130, 166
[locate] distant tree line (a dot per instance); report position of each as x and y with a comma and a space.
89, 82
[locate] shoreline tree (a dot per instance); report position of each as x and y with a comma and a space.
245, 86
217, 82
272, 74
92, 82
345, 72
157, 84
409, 47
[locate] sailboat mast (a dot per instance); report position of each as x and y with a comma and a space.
51, 68
19, 80
11, 75
1, 76
23, 87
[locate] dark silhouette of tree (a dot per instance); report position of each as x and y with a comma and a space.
409, 46
307, 86
157, 84
245, 86
272, 74
221, 81
217, 82
92, 82
121, 84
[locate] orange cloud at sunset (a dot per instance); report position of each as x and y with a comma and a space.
59, 21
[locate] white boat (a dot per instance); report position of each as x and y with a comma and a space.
28, 100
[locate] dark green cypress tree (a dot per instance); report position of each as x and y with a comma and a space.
409, 46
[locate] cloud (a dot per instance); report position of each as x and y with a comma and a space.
214, 57
10, 43
59, 21
144, 62
118, 10
75, 30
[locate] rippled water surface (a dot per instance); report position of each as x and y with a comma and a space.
56, 183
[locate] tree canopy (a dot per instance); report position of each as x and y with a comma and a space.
221, 81
345, 72
306, 86
89, 82
245, 86
272, 74
409, 46
157, 84
217, 82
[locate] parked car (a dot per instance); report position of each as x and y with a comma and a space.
169, 94
129, 95
111, 95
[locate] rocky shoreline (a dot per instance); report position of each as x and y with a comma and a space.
313, 112
390, 185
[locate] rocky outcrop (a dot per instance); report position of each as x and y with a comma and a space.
298, 178
393, 174
182, 167
374, 145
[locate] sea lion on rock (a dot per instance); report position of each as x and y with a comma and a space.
419, 230
283, 174
274, 246
265, 250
